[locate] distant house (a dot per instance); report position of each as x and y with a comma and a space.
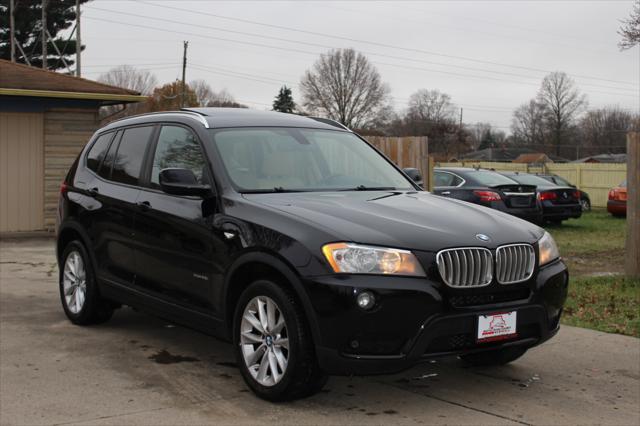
534, 158
45, 120
603, 158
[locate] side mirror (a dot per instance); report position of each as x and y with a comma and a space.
415, 175
181, 182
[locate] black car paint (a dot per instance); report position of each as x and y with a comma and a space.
465, 192
187, 258
555, 179
565, 207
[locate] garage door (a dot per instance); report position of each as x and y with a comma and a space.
21, 172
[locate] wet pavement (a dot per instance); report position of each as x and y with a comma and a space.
137, 369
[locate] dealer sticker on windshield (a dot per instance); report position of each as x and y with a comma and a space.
497, 326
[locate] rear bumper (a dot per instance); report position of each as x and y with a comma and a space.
617, 207
552, 211
412, 324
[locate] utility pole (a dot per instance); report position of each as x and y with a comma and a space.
460, 118
44, 34
184, 73
78, 41
12, 35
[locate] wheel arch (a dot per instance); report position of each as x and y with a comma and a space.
71, 231
259, 264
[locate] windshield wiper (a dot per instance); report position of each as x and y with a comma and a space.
270, 190
370, 188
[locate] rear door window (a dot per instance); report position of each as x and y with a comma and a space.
98, 151
447, 179
130, 155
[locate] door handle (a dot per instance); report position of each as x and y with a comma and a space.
144, 205
446, 193
93, 192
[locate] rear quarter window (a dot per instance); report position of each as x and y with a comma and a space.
98, 151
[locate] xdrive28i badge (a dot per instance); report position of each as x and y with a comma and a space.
483, 237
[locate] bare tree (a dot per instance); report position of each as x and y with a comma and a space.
606, 128
431, 106
224, 99
630, 28
204, 92
563, 103
528, 124
128, 77
343, 85
207, 97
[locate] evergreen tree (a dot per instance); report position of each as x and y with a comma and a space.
488, 140
284, 101
61, 15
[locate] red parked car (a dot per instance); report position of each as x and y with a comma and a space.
617, 203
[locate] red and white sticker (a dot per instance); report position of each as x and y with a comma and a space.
497, 326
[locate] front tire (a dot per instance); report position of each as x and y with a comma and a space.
273, 344
79, 292
494, 357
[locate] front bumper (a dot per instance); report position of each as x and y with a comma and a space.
417, 319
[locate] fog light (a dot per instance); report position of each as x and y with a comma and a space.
365, 300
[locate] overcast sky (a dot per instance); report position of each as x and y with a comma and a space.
490, 56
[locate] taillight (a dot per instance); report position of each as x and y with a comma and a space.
544, 196
64, 188
487, 196
576, 195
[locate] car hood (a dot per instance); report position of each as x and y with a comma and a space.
412, 220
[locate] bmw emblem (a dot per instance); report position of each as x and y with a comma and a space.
483, 237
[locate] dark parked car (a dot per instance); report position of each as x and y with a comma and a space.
489, 189
299, 242
558, 202
617, 200
585, 201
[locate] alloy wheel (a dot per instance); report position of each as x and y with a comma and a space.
74, 282
264, 341
585, 205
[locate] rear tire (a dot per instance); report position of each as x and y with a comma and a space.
494, 357
273, 344
586, 205
79, 291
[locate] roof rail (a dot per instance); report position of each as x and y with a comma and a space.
331, 122
194, 114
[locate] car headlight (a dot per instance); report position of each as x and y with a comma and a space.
359, 259
547, 249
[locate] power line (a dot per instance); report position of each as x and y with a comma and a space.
448, 73
465, 29
281, 27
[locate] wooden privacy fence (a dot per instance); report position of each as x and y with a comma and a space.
411, 151
593, 178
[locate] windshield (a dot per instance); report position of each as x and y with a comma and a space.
290, 159
531, 180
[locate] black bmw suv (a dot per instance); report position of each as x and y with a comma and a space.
299, 242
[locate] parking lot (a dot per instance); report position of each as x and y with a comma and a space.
137, 369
